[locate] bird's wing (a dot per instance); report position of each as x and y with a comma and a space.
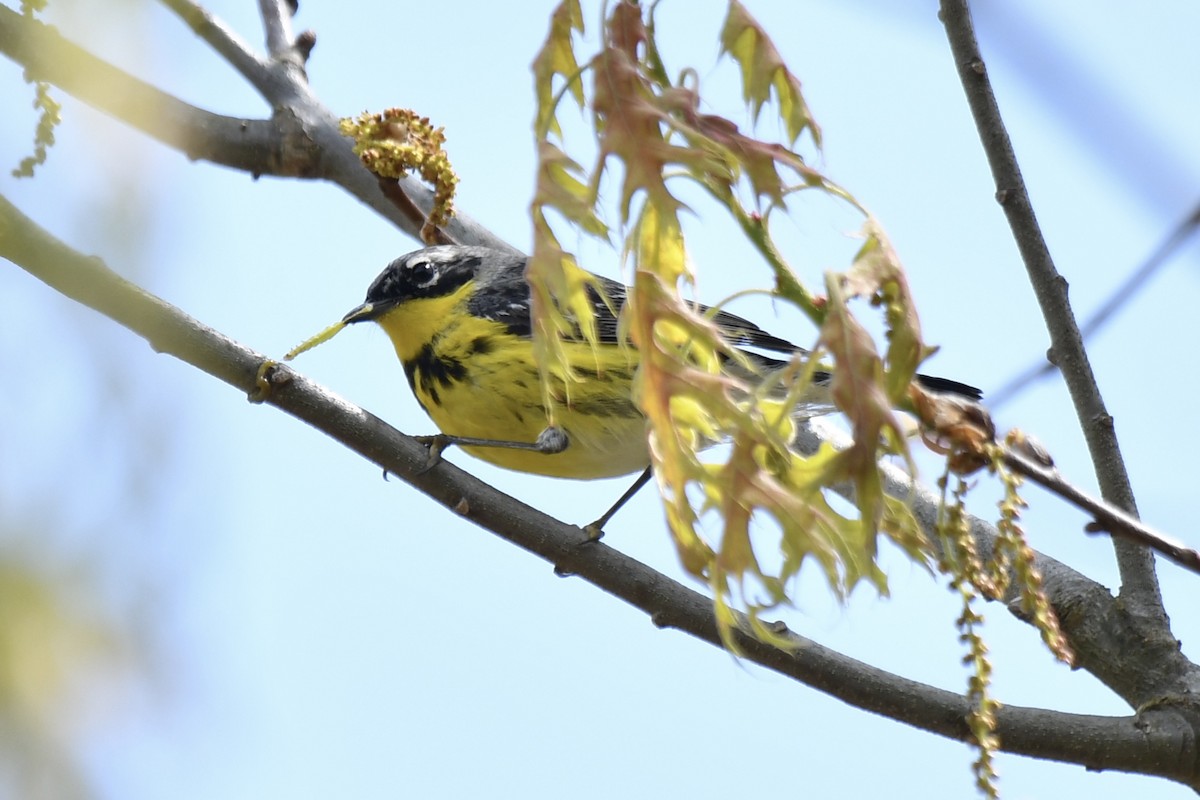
502, 295
507, 301
739, 331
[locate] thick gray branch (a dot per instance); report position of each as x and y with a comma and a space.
1156, 742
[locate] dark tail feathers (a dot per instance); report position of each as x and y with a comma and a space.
949, 387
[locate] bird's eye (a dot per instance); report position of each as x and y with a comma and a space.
423, 274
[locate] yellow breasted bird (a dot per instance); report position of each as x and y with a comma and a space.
459, 319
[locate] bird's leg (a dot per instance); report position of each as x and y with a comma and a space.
550, 441
595, 529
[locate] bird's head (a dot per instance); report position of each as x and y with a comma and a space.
432, 272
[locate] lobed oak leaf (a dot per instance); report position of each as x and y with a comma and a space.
877, 275
558, 187
557, 58
764, 71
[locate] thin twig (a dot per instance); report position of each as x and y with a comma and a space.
1118, 299
1139, 584
1108, 518
277, 24
1155, 742
231, 47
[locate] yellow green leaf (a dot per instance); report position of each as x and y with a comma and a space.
764, 71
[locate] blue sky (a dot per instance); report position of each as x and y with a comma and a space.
325, 632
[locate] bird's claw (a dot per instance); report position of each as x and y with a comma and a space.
436, 444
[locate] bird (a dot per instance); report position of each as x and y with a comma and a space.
459, 319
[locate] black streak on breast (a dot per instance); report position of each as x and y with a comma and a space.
429, 371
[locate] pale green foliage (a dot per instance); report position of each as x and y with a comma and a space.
650, 132
652, 126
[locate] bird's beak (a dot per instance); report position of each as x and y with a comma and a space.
364, 313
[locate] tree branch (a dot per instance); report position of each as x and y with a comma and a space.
223, 39
250, 145
301, 141
1133, 656
1139, 584
1159, 741
277, 23
1108, 519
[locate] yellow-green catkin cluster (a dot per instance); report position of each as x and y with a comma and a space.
961, 561
398, 141
1019, 554
1008, 570
49, 110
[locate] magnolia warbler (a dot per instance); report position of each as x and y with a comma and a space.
459, 319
